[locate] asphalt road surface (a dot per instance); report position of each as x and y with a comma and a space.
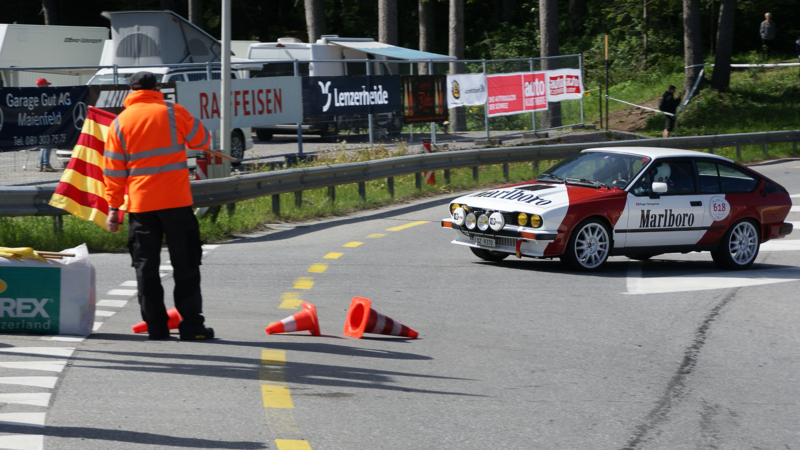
667, 354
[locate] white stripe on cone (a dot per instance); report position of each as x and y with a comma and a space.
380, 323
289, 324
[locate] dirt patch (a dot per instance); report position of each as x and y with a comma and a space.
631, 118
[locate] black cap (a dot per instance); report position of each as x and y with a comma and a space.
143, 80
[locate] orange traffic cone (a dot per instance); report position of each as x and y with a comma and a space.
363, 319
304, 320
172, 323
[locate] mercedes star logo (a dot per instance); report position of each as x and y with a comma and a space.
79, 115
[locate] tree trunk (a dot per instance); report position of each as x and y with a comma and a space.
387, 21
315, 19
50, 12
692, 43
426, 30
548, 28
458, 120
196, 12
722, 61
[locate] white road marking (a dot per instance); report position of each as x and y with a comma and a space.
722, 280
26, 419
131, 283
64, 338
22, 442
43, 382
210, 247
64, 352
97, 326
123, 292
28, 398
795, 195
112, 303
165, 268
795, 209
779, 245
50, 366
103, 313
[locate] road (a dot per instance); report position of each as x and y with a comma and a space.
668, 354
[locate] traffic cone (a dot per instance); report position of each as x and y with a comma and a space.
363, 319
304, 320
172, 323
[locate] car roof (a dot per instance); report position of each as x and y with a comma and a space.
658, 152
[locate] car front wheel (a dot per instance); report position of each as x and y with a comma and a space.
739, 246
488, 255
237, 146
588, 247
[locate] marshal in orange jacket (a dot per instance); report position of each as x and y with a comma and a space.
145, 152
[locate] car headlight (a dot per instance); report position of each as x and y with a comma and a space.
483, 222
536, 221
459, 216
497, 221
454, 207
522, 219
470, 221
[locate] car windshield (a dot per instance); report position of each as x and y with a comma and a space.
597, 169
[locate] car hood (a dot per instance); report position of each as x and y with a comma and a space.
530, 197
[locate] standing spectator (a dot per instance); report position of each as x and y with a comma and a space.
44, 153
146, 153
768, 31
669, 104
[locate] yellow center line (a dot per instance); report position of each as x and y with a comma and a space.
408, 225
318, 268
333, 255
276, 397
304, 283
376, 235
290, 300
290, 444
273, 357
353, 244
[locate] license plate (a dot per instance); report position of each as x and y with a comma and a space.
484, 242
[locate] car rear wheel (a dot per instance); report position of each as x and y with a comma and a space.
739, 246
488, 255
237, 146
588, 247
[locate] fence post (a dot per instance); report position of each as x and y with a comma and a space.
794, 147
739, 152
390, 186
475, 171
362, 190
505, 171
298, 199
533, 113
418, 181
486, 107
276, 204
433, 124
766, 150
369, 116
447, 176
332, 193
299, 125
580, 70
711, 150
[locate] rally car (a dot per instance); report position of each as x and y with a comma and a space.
634, 201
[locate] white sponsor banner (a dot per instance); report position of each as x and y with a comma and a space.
564, 84
466, 90
254, 102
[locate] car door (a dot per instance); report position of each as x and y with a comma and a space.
673, 218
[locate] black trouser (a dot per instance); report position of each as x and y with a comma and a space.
147, 231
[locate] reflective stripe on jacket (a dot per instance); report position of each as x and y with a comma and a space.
145, 151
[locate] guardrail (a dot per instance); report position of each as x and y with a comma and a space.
33, 201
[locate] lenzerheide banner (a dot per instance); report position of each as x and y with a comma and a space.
516, 93
466, 90
424, 98
335, 96
47, 117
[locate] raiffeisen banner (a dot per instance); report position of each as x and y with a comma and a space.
564, 84
516, 93
254, 101
335, 96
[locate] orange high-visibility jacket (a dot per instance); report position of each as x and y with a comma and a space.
145, 152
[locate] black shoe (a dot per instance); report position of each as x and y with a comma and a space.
158, 336
199, 335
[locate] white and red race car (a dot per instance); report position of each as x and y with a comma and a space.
633, 201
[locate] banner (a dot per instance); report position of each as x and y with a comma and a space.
564, 84
336, 96
47, 117
254, 101
466, 90
516, 93
424, 99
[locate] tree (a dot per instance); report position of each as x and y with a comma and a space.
387, 21
50, 12
692, 43
548, 30
196, 12
315, 19
458, 120
577, 13
722, 61
426, 30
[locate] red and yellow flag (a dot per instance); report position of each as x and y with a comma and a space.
81, 191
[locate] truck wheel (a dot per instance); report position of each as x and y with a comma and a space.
263, 135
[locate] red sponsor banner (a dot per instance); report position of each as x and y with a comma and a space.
564, 84
516, 93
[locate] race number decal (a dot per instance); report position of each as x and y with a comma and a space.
719, 208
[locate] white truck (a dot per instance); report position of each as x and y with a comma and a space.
321, 59
49, 46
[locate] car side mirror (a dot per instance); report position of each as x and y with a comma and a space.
659, 188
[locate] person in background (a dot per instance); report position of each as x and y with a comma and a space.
146, 153
669, 104
768, 31
44, 153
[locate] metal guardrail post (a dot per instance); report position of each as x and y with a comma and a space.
276, 204
739, 152
766, 150
362, 190
298, 199
475, 173
332, 193
447, 176
505, 171
390, 186
58, 225
536, 168
711, 150
418, 181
